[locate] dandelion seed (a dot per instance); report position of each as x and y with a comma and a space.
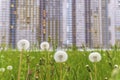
44, 45
23, 44
60, 56
95, 57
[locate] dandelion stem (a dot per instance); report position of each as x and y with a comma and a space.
48, 68
61, 71
90, 75
95, 67
37, 72
27, 78
20, 62
40, 77
28, 64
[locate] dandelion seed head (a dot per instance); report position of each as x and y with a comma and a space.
44, 45
95, 57
9, 67
23, 44
60, 56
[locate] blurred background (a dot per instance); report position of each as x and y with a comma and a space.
63, 23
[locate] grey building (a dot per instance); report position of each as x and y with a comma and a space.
51, 21
4, 22
114, 15
24, 20
117, 21
63, 22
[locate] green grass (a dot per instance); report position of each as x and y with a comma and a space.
73, 69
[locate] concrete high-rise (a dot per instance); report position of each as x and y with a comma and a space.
114, 14
4, 22
89, 23
34, 20
63, 22
74, 21
24, 21
117, 20
51, 21
80, 23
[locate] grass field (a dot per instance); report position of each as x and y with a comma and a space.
40, 65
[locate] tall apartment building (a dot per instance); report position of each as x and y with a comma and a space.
98, 16
34, 20
95, 30
96, 23
74, 21
4, 22
114, 14
66, 28
90, 23
24, 21
80, 23
105, 24
117, 21
67, 22
63, 22
51, 21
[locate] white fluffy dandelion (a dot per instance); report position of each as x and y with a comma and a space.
9, 68
95, 57
44, 45
23, 44
2, 69
60, 56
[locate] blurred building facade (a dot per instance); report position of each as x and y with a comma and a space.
63, 22
24, 21
73, 17
51, 21
88, 23
114, 13
4, 22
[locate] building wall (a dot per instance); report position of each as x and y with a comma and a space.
80, 23
112, 19
4, 22
62, 22
52, 27
13, 18
69, 22
65, 6
95, 23
27, 20
106, 34
75, 22
88, 23
24, 21
117, 21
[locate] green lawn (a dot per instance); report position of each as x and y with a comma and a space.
43, 67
